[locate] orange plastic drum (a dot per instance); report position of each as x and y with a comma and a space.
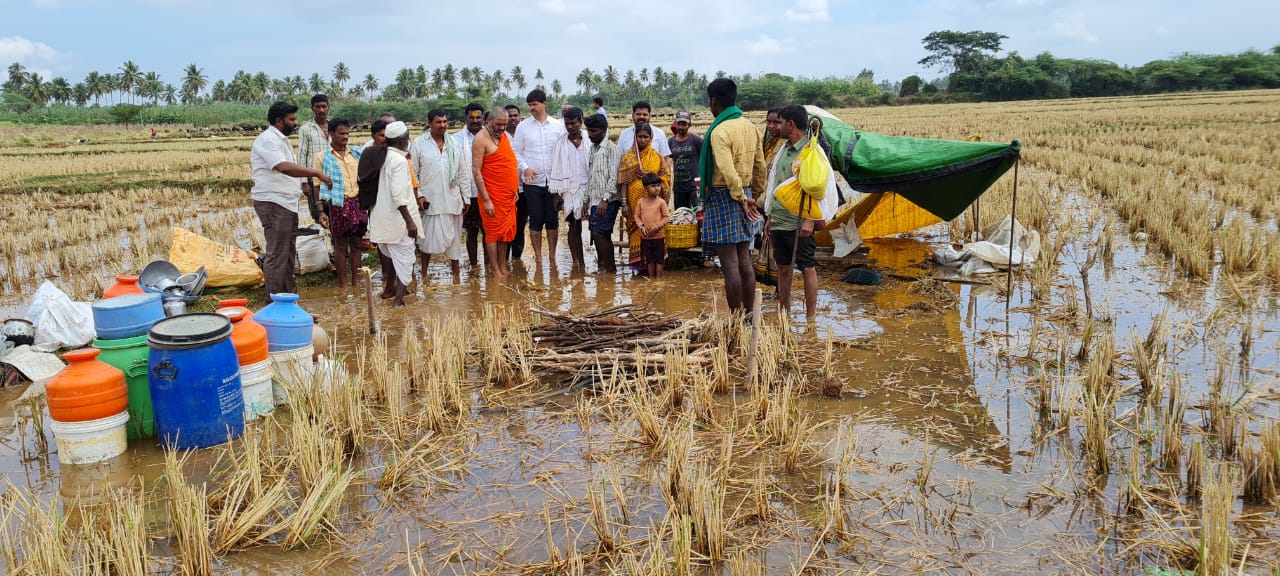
239, 303
249, 337
87, 389
124, 285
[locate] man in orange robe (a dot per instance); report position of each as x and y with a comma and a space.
497, 178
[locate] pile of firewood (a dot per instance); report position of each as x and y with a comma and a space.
623, 335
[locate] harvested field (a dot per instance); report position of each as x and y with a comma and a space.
1119, 416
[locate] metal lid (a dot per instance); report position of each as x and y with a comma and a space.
199, 328
126, 301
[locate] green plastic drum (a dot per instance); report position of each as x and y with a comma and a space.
130, 356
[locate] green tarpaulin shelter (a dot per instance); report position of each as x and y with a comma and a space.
941, 176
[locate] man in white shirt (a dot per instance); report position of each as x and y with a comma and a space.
393, 221
378, 139
535, 138
568, 179
444, 172
598, 104
275, 195
473, 119
640, 115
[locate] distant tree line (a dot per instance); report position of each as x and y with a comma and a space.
971, 65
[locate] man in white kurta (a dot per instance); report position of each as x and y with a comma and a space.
568, 178
394, 221
444, 180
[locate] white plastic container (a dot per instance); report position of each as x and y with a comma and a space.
259, 396
91, 441
288, 364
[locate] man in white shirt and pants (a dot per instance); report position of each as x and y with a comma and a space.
534, 140
276, 192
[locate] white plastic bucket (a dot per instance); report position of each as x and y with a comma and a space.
289, 364
91, 441
259, 397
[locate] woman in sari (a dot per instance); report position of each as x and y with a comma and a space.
636, 162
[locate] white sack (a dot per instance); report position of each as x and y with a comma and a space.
60, 323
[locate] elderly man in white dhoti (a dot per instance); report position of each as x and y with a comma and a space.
444, 184
568, 178
393, 222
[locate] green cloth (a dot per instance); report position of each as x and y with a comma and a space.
941, 176
705, 166
779, 217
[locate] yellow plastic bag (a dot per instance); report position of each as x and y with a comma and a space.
226, 265
813, 169
793, 197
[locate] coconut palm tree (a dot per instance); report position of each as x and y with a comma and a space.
315, 83
611, 76
219, 92
517, 76
17, 76
130, 77
60, 90
36, 88
537, 80
555, 87
451, 79
370, 86
150, 87
261, 87
341, 74
96, 85
497, 81
170, 94
584, 80
437, 82
193, 83
80, 93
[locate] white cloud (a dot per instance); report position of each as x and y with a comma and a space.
579, 29
766, 45
809, 11
35, 56
1074, 28
553, 6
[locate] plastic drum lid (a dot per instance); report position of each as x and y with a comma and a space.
125, 301
190, 330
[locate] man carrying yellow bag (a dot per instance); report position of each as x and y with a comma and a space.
800, 192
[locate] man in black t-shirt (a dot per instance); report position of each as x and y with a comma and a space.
685, 149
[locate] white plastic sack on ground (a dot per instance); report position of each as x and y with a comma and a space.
976, 266
950, 257
313, 252
60, 323
998, 254
845, 239
1026, 241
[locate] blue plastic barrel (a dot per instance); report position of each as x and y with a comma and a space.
126, 316
288, 325
194, 376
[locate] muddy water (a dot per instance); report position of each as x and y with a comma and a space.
937, 383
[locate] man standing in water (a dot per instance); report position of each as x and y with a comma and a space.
602, 191
495, 171
393, 222
732, 166
276, 193
313, 138
443, 173
473, 116
534, 140
516, 248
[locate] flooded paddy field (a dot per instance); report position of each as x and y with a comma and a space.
1116, 413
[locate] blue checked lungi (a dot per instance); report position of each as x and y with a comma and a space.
723, 220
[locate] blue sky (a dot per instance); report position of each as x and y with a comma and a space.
800, 37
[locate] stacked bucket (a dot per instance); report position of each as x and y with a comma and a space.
289, 339
250, 341
194, 380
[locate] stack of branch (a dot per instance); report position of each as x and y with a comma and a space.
623, 335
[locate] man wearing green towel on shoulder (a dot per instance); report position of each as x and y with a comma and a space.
732, 167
